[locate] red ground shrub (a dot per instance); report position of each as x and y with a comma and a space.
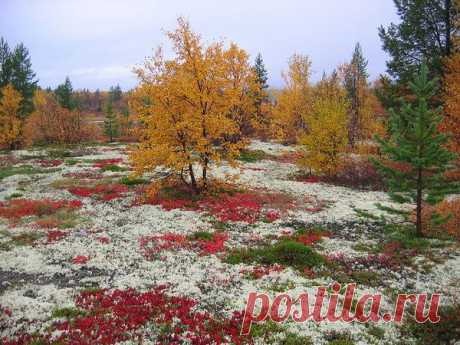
309, 239
48, 223
357, 173
153, 245
50, 163
236, 208
80, 260
103, 240
247, 207
272, 216
169, 205
261, 271
375, 261
88, 174
213, 246
308, 179
353, 173
104, 192
18, 208
105, 162
56, 235
116, 316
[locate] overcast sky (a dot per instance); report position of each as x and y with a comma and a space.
96, 42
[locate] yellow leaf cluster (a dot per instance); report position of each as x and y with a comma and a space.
192, 108
10, 124
326, 139
294, 102
242, 87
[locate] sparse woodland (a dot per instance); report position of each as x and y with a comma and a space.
146, 215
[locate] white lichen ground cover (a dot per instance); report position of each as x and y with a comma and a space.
37, 279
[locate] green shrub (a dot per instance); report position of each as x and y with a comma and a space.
274, 334
113, 168
132, 181
251, 156
59, 153
266, 329
287, 253
68, 313
445, 332
407, 237
26, 239
13, 196
375, 331
201, 235
294, 339
72, 161
343, 341
338, 338
368, 278
21, 170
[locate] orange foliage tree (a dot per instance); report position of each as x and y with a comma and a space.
10, 124
50, 123
451, 121
191, 108
294, 102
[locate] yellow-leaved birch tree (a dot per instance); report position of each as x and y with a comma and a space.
294, 102
191, 107
326, 138
10, 124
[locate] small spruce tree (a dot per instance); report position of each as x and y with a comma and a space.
110, 122
260, 94
419, 149
64, 95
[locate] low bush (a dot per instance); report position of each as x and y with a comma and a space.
286, 253
62, 219
201, 235
14, 196
354, 173
67, 313
48, 163
103, 163
449, 210
120, 316
252, 156
203, 242
405, 237
357, 173
52, 124
309, 236
339, 338
26, 238
225, 204
18, 208
59, 153
113, 168
132, 181
445, 332
106, 192
21, 170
